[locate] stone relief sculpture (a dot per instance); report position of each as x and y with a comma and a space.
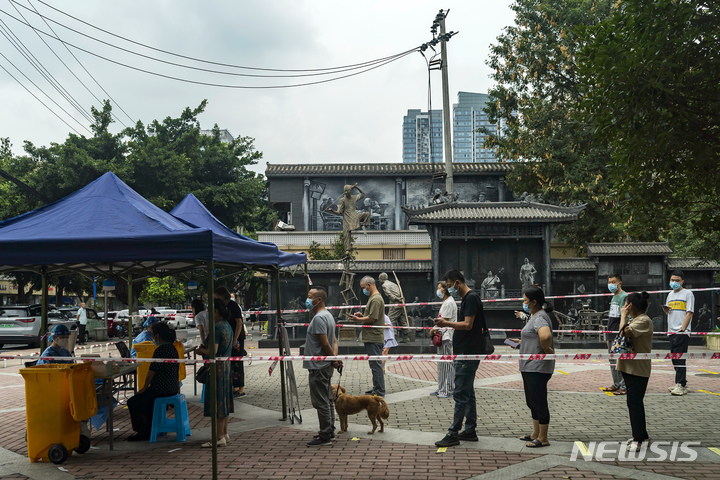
527, 274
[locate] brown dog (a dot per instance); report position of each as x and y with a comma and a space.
377, 408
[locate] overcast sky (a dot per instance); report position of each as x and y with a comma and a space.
353, 120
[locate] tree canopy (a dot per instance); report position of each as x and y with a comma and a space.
650, 77
536, 98
163, 161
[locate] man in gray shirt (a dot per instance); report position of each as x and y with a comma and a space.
321, 341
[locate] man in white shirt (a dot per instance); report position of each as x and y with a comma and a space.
679, 308
82, 319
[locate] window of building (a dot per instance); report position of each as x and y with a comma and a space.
393, 254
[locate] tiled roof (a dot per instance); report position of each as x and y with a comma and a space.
382, 169
630, 248
676, 263
492, 212
368, 266
571, 264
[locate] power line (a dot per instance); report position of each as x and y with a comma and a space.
68, 68
36, 98
390, 60
324, 71
35, 63
200, 59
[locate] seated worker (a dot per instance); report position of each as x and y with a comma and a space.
59, 338
145, 335
161, 381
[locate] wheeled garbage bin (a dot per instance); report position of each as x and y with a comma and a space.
57, 398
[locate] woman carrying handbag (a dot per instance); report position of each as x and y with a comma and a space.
442, 338
637, 337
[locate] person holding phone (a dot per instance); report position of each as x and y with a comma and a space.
536, 338
637, 327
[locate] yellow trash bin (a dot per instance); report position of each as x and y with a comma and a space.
57, 398
146, 350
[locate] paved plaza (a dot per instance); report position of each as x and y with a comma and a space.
265, 447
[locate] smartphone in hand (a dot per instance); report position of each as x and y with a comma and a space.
511, 343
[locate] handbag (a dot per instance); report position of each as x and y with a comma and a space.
622, 344
437, 339
203, 374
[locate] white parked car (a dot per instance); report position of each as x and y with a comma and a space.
174, 319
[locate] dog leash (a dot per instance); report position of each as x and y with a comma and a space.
337, 392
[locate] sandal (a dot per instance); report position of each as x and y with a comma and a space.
620, 391
609, 389
527, 438
536, 444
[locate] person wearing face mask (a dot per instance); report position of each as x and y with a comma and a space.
639, 330
145, 335
59, 338
373, 338
679, 308
468, 339
321, 341
446, 370
536, 338
618, 300
161, 381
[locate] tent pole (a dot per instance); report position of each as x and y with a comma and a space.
213, 366
278, 317
44, 311
130, 317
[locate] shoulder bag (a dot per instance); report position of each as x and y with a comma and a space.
622, 344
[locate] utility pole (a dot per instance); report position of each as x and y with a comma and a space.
446, 107
443, 38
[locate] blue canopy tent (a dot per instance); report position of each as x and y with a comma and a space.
192, 211
107, 222
108, 229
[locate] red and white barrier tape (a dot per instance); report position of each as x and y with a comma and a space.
422, 357
346, 325
488, 300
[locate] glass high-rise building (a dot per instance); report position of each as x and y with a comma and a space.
423, 137
468, 118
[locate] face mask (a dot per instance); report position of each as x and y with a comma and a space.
366, 292
440, 294
526, 307
452, 290
308, 303
156, 342
675, 285
612, 287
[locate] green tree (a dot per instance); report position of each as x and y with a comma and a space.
163, 291
337, 252
536, 98
651, 77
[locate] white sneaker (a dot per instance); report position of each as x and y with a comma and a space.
679, 390
670, 389
227, 438
634, 446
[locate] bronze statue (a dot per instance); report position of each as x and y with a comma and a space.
348, 210
398, 315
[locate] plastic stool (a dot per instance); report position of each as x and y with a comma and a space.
160, 423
